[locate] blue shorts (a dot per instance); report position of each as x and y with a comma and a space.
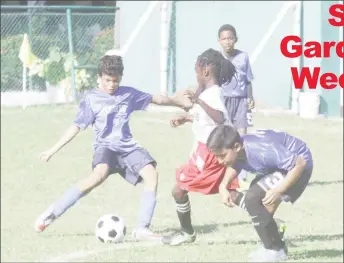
128, 165
238, 112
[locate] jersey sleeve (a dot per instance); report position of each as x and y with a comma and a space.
85, 115
213, 97
140, 99
279, 157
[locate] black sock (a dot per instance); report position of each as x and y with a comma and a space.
184, 215
262, 220
269, 236
272, 229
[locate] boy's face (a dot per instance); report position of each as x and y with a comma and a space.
109, 84
227, 40
228, 157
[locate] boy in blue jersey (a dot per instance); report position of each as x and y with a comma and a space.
237, 93
108, 108
283, 167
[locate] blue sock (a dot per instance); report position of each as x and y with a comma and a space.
148, 202
66, 201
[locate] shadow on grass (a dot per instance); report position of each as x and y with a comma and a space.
317, 253
321, 183
208, 228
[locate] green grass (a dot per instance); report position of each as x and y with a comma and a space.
28, 186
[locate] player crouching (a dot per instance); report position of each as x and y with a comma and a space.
283, 167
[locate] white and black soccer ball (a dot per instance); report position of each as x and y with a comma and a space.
110, 229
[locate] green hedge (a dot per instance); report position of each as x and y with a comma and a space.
11, 67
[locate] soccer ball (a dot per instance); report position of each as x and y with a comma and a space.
110, 229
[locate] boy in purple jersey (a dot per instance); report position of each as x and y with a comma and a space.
238, 92
283, 167
238, 95
108, 109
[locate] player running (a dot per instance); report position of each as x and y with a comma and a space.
203, 173
108, 108
283, 167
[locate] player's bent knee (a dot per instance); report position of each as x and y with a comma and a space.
254, 197
179, 194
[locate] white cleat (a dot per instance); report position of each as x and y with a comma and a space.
44, 220
144, 233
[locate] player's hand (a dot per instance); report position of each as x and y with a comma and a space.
45, 156
225, 196
271, 197
250, 103
184, 98
178, 120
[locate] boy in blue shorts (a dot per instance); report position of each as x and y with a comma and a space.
108, 109
237, 93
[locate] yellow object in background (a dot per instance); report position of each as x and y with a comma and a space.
25, 54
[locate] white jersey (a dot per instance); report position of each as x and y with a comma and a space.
202, 124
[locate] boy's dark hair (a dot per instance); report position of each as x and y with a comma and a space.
222, 69
223, 137
227, 27
111, 65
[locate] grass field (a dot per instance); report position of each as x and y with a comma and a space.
28, 186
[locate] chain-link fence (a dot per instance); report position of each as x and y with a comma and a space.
90, 35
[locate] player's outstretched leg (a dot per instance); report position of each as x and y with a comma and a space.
71, 196
187, 234
147, 206
274, 247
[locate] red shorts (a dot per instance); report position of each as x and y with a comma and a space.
203, 173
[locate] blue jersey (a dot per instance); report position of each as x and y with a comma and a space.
237, 87
268, 151
109, 115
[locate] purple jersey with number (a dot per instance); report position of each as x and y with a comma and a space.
238, 85
268, 151
109, 115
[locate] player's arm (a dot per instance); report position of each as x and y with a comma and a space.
280, 158
83, 119
181, 119
229, 176
141, 100
216, 115
180, 99
293, 175
68, 135
229, 198
249, 90
189, 117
